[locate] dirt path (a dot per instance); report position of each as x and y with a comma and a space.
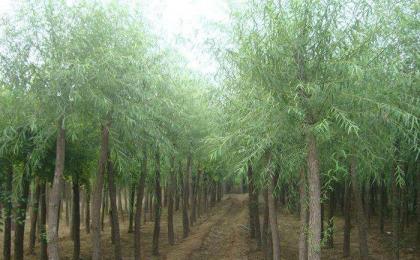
222, 236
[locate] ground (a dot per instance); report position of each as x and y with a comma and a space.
223, 234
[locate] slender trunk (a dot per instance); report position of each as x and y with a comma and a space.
347, 219
21, 214
330, 227
55, 194
395, 217
304, 217
171, 191
382, 207
177, 192
7, 239
314, 237
158, 205
273, 218
115, 226
146, 206
76, 218
97, 195
361, 218
43, 222
193, 200
418, 208
87, 211
251, 201
66, 199
185, 220
131, 208
120, 204
266, 242
139, 203
34, 218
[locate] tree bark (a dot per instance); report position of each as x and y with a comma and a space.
266, 242
304, 216
131, 208
418, 207
171, 191
158, 205
7, 239
314, 236
185, 195
347, 219
251, 201
115, 226
21, 214
87, 211
361, 218
55, 194
97, 195
139, 203
34, 218
43, 222
76, 218
273, 218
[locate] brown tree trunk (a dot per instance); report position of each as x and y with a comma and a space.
185, 195
171, 191
43, 222
251, 201
273, 217
331, 209
304, 216
395, 217
347, 219
87, 211
97, 195
418, 207
266, 241
115, 226
7, 239
21, 214
314, 236
76, 218
139, 203
158, 205
120, 204
55, 194
382, 206
361, 218
193, 200
34, 218
131, 208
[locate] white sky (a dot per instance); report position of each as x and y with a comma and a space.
186, 25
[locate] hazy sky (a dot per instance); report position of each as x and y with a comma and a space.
184, 24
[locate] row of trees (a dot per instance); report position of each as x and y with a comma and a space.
89, 100
321, 101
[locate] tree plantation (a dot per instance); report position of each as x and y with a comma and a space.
303, 144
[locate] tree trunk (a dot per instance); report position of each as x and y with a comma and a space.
21, 214
185, 195
34, 218
131, 208
87, 211
314, 237
361, 218
120, 204
115, 226
395, 217
273, 218
382, 206
266, 241
418, 208
97, 195
158, 205
171, 191
139, 203
7, 240
304, 217
43, 222
76, 218
330, 227
193, 200
55, 194
251, 201
347, 219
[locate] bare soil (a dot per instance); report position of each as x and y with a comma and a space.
223, 234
